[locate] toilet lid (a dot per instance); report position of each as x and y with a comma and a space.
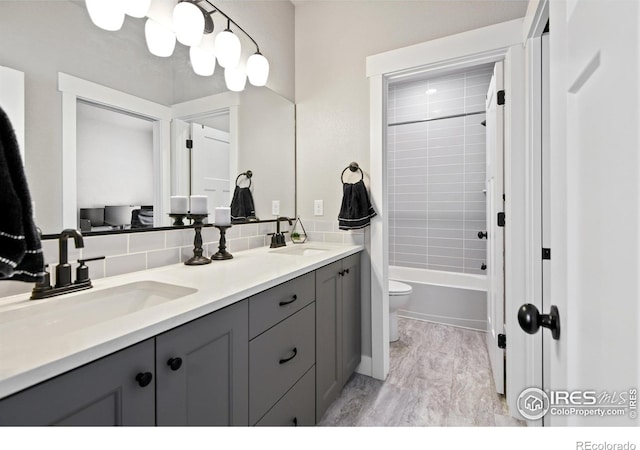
398, 288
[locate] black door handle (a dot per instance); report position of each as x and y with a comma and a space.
174, 363
295, 352
482, 234
293, 299
144, 379
531, 320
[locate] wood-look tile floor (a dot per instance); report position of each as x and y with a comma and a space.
438, 376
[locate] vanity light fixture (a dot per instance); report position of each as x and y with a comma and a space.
137, 8
107, 14
191, 23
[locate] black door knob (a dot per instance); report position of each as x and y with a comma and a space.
174, 363
531, 320
144, 378
482, 234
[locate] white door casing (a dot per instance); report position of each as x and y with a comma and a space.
495, 233
595, 200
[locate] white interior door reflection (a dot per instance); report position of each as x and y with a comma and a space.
212, 165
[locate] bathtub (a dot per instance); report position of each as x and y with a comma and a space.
449, 298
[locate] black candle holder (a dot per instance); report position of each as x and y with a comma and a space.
222, 253
197, 259
177, 219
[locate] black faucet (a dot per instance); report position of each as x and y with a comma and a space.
277, 238
63, 269
64, 284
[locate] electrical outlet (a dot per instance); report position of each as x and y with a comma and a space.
275, 208
318, 208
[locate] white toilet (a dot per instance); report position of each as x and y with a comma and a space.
399, 294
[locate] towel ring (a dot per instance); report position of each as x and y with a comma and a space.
248, 174
352, 167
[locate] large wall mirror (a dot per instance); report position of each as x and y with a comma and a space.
107, 124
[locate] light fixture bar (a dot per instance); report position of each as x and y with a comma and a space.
229, 19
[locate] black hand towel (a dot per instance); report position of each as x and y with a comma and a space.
20, 251
242, 206
356, 210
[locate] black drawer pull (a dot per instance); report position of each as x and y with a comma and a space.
144, 379
341, 273
175, 363
293, 299
295, 421
295, 352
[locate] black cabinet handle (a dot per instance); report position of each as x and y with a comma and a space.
174, 363
295, 421
144, 378
341, 273
482, 234
293, 299
346, 270
295, 352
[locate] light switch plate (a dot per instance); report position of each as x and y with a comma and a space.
318, 208
275, 208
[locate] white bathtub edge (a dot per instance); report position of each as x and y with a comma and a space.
439, 278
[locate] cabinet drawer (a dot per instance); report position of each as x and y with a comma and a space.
297, 407
276, 304
278, 358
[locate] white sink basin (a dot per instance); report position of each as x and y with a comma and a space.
68, 314
299, 251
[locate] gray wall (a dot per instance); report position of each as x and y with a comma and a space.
436, 172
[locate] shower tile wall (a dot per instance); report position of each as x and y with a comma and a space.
436, 173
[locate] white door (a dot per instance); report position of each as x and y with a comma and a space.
211, 165
495, 233
595, 203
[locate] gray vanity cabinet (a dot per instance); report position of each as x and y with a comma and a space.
338, 325
118, 389
202, 370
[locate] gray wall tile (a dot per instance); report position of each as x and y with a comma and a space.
119, 265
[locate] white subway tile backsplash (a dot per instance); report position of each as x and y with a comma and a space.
180, 238
119, 265
249, 230
161, 258
116, 244
141, 242
258, 241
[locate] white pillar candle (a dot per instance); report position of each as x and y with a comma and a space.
178, 204
223, 216
199, 204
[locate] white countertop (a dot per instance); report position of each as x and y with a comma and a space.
29, 356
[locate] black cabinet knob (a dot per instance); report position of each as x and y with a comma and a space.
295, 421
482, 234
144, 378
483, 266
346, 270
174, 363
531, 320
